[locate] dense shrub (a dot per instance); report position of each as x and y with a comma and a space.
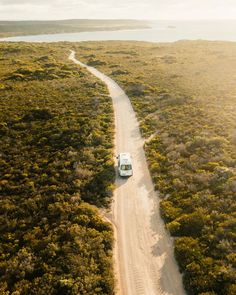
184, 97
56, 153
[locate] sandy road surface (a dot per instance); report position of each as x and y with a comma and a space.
144, 253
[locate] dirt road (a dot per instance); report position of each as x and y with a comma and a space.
143, 251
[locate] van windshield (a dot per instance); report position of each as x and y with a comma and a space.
126, 167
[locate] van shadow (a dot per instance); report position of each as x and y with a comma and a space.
119, 181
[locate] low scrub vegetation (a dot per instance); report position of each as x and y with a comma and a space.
184, 96
56, 128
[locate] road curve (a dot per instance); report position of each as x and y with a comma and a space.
144, 257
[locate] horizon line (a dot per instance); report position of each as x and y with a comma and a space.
120, 19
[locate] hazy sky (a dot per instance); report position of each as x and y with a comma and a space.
135, 9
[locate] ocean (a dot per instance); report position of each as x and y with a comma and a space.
160, 31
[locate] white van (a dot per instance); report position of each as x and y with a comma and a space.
125, 164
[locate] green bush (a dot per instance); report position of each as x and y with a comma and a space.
56, 153
185, 105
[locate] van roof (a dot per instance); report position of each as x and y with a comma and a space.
125, 158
